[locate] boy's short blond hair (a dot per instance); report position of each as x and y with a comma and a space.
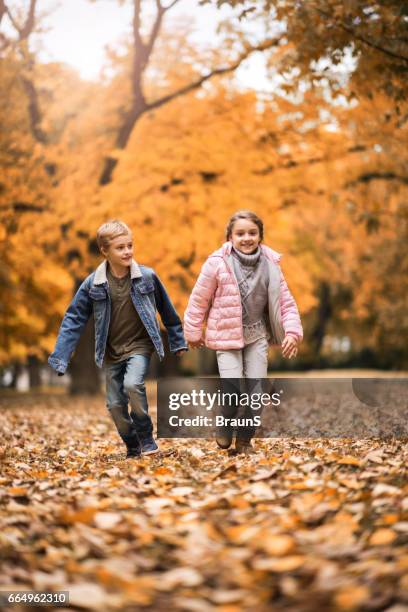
110, 230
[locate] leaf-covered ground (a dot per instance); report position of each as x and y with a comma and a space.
302, 525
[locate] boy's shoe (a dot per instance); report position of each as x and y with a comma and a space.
148, 445
244, 446
224, 440
133, 453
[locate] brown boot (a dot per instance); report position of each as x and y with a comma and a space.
224, 440
244, 446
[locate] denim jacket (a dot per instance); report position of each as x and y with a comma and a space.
148, 295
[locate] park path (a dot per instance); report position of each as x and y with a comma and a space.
302, 525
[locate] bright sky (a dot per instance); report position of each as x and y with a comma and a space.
79, 30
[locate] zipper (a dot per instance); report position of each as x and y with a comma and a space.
239, 295
108, 317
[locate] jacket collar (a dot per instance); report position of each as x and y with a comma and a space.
100, 273
226, 249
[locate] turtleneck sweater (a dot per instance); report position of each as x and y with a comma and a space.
251, 271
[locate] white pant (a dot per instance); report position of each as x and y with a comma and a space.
249, 362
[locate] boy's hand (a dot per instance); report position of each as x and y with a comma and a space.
289, 347
198, 344
180, 352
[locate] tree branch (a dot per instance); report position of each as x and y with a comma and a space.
136, 24
4, 41
23, 31
3, 9
377, 176
362, 39
139, 50
292, 163
216, 72
34, 111
170, 6
32, 94
148, 48
153, 34
140, 106
13, 21
23, 207
30, 21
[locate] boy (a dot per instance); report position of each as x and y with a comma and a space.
123, 297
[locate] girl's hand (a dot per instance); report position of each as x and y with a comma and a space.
180, 352
289, 347
198, 344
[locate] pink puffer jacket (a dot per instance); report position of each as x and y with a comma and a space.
216, 299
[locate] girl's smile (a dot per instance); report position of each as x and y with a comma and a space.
245, 236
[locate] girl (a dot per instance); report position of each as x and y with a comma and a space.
243, 297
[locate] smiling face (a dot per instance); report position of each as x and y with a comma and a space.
245, 236
120, 252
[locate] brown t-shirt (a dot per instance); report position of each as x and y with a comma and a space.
127, 335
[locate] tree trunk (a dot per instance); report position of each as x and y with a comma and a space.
83, 370
34, 372
122, 139
170, 366
16, 370
324, 312
206, 362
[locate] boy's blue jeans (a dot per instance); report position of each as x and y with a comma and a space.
125, 384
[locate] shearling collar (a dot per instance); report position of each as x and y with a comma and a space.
100, 272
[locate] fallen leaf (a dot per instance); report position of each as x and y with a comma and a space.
85, 515
184, 576
382, 537
349, 460
385, 489
107, 520
87, 595
275, 544
351, 597
285, 564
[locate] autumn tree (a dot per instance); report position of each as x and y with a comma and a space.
353, 55
140, 101
173, 145
136, 106
34, 285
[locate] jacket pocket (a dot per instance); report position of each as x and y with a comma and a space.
146, 287
99, 300
97, 295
